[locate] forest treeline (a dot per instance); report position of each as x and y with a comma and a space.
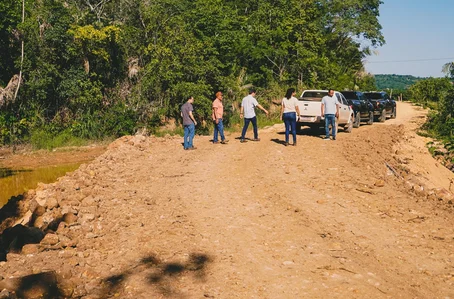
395, 82
100, 68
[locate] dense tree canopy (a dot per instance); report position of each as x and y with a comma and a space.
94, 68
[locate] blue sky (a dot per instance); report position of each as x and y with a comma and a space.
420, 30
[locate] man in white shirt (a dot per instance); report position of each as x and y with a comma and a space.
248, 113
330, 110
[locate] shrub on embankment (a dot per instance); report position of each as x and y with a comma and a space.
437, 94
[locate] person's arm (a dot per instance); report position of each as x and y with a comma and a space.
282, 109
191, 116
337, 110
297, 112
215, 119
263, 109
323, 109
241, 111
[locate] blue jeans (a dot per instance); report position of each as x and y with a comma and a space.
246, 125
189, 132
289, 119
218, 128
330, 119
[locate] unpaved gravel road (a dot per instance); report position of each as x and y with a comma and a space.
351, 218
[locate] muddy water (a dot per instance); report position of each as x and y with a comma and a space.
17, 181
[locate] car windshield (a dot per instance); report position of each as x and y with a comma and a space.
314, 95
374, 95
350, 95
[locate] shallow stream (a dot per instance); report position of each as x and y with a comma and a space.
14, 182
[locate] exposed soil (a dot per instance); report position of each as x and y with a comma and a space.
366, 216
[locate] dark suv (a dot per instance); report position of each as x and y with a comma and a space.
362, 107
384, 106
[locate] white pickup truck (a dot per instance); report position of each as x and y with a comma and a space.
311, 114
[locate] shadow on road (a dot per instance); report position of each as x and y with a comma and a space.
278, 141
161, 275
39, 285
306, 131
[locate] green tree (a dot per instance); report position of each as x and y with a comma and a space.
10, 17
448, 69
89, 61
430, 90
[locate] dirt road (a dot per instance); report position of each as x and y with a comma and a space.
351, 218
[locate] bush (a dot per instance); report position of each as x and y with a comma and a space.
87, 126
12, 128
42, 139
119, 120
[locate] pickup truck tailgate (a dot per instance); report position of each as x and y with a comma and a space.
310, 111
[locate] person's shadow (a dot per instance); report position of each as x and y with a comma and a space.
278, 141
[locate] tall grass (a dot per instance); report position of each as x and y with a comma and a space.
40, 139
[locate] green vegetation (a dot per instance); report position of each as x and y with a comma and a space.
96, 69
438, 95
44, 140
395, 82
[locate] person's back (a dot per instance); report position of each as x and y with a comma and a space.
289, 114
290, 104
189, 123
247, 112
185, 109
248, 103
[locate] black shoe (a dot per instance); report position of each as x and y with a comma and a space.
243, 140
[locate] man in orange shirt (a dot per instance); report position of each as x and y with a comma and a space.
218, 112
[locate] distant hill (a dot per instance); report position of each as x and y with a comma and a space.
395, 81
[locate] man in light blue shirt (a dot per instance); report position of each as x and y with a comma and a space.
248, 113
330, 110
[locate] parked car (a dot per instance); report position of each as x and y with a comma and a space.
310, 110
362, 107
384, 106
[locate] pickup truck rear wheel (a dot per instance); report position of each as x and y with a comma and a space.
357, 122
371, 118
394, 114
382, 117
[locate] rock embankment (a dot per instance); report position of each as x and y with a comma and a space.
61, 225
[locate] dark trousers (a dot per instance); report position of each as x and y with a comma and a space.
246, 125
290, 124
330, 119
